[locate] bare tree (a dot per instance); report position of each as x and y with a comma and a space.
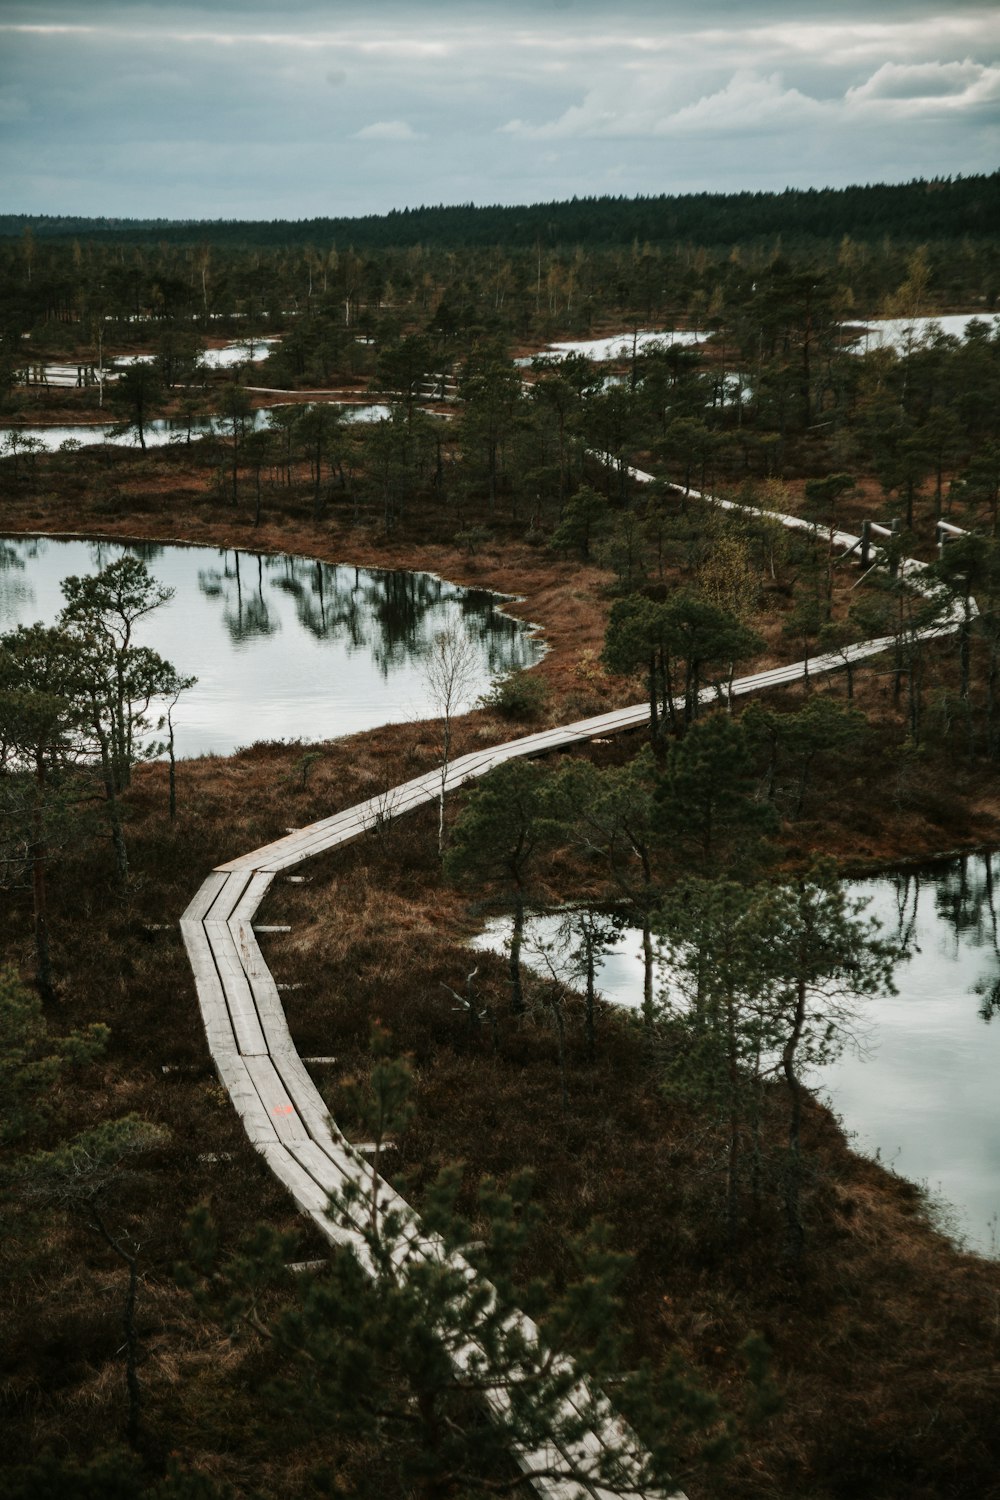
450, 674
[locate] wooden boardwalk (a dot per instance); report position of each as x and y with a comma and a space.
283, 1112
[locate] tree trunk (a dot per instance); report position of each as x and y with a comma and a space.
517, 1002
39, 857
733, 1165
113, 804
588, 942
793, 1169
647, 969
172, 783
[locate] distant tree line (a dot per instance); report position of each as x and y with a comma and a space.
945, 207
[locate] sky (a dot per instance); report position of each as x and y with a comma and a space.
297, 109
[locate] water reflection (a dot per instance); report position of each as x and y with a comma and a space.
158, 433
922, 1091
283, 647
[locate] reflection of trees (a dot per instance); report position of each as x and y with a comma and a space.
506, 646
963, 899
246, 612
102, 552
394, 616
906, 888
406, 609
250, 619
325, 606
18, 594
966, 902
391, 616
239, 583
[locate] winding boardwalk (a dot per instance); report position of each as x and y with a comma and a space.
283, 1113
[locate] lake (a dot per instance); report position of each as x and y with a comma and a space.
922, 1095
903, 334
283, 647
615, 345
159, 431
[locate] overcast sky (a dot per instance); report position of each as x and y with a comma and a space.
240, 109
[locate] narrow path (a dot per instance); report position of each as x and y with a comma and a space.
284, 1114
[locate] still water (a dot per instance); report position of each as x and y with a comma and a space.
158, 432
904, 334
283, 647
921, 1090
617, 345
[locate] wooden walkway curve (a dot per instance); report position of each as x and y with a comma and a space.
284, 1114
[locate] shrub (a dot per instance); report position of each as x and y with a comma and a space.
517, 695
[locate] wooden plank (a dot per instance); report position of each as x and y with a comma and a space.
308, 1196
228, 897
208, 987
281, 1111
336, 1167
328, 1169
201, 902
232, 978
246, 1100
254, 891
263, 989
307, 1098
236, 987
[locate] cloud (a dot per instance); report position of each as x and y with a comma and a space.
904, 87
646, 106
747, 101
653, 95
387, 130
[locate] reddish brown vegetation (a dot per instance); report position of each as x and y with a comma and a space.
882, 1340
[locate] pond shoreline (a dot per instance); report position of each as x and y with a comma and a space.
282, 645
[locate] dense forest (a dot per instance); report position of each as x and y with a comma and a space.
941, 209
791, 1317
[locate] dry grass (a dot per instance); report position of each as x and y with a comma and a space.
882, 1341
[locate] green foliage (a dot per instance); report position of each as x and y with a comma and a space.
41, 717
77, 1173
767, 977
118, 680
585, 520
675, 643
865, 214
473, 539
822, 496
612, 814
522, 695
791, 745
505, 824
420, 1373
710, 816
136, 394
32, 1060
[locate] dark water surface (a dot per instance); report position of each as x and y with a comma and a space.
283, 647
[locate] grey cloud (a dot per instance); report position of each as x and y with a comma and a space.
234, 108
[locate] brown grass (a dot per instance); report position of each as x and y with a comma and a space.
882, 1341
